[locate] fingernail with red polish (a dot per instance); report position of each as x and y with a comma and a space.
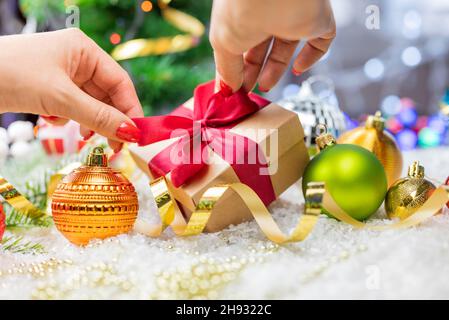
296, 72
91, 133
128, 132
262, 89
51, 118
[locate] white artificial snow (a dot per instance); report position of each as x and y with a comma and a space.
334, 262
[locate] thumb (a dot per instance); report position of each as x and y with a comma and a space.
99, 117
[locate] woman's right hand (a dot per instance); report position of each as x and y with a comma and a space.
66, 75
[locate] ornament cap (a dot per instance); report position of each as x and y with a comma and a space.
415, 170
97, 158
324, 138
375, 121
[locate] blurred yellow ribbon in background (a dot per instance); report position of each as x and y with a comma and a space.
163, 45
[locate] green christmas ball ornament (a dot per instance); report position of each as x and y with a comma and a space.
354, 177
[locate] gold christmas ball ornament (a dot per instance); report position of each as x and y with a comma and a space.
94, 201
407, 195
376, 139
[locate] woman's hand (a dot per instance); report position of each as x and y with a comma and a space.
65, 75
242, 30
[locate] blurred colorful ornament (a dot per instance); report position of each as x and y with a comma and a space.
444, 103
393, 125
20, 131
354, 176
438, 123
94, 202
407, 103
407, 139
428, 137
408, 194
407, 117
59, 140
421, 123
350, 123
2, 222
316, 103
373, 137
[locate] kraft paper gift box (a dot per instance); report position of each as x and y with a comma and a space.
273, 123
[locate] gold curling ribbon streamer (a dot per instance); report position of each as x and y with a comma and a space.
57, 177
171, 215
431, 207
16, 200
19, 202
317, 197
164, 45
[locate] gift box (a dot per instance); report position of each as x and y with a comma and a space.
265, 128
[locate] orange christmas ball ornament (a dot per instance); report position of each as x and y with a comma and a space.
374, 138
94, 202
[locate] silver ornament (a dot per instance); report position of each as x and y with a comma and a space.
316, 103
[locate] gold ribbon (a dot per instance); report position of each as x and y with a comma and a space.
58, 176
317, 197
170, 215
18, 201
430, 208
164, 45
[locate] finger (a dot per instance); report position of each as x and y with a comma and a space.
253, 62
57, 121
312, 51
86, 133
95, 91
116, 146
277, 62
96, 115
229, 67
98, 68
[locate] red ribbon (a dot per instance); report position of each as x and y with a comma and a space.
204, 129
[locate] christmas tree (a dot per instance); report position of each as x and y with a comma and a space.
163, 80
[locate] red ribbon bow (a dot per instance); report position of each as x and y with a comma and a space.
205, 129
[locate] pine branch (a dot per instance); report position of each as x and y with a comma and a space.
18, 220
16, 244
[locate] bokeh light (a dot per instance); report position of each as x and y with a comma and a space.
391, 105
411, 56
408, 117
407, 139
428, 138
393, 125
374, 69
412, 24
115, 38
422, 122
438, 123
146, 6
290, 90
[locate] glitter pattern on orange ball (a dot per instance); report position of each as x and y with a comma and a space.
94, 202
